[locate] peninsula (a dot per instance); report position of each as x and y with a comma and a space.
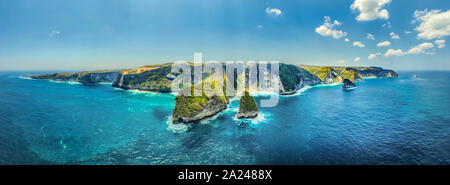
158, 78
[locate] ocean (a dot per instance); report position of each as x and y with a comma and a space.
403, 120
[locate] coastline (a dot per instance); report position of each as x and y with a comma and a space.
65, 82
138, 91
208, 119
27, 78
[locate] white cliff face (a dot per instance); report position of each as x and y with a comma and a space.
375, 72
121, 80
333, 77
108, 77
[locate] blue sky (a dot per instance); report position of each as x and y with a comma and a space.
106, 34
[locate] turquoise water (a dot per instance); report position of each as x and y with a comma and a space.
384, 121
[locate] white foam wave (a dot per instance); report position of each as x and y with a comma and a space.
301, 91
351, 88
65, 82
24, 77
234, 98
327, 85
265, 93
212, 118
148, 93
262, 117
176, 128
137, 91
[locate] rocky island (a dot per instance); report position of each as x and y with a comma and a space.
196, 108
347, 84
247, 107
158, 78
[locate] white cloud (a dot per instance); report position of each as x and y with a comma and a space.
422, 48
329, 29
433, 24
54, 32
383, 44
370, 36
408, 32
356, 59
259, 26
273, 11
341, 61
440, 43
370, 9
337, 23
347, 40
388, 25
372, 56
359, 44
394, 36
394, 52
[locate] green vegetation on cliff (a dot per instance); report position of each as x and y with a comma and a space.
83, 73
338, 73
294, 77
187, 108
247, 103
85, 77
289, 76
151, 77
320, 71
348, 74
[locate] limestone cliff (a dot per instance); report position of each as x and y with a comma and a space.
150, 78
98, 77
85, 77
329, 75
373, 72
293, 78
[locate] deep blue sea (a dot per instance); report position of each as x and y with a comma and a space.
384, 121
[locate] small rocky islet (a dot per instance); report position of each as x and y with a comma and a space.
247, 106
347, 84
158, 78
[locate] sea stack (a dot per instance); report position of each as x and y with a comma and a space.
347, 84
247, 107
